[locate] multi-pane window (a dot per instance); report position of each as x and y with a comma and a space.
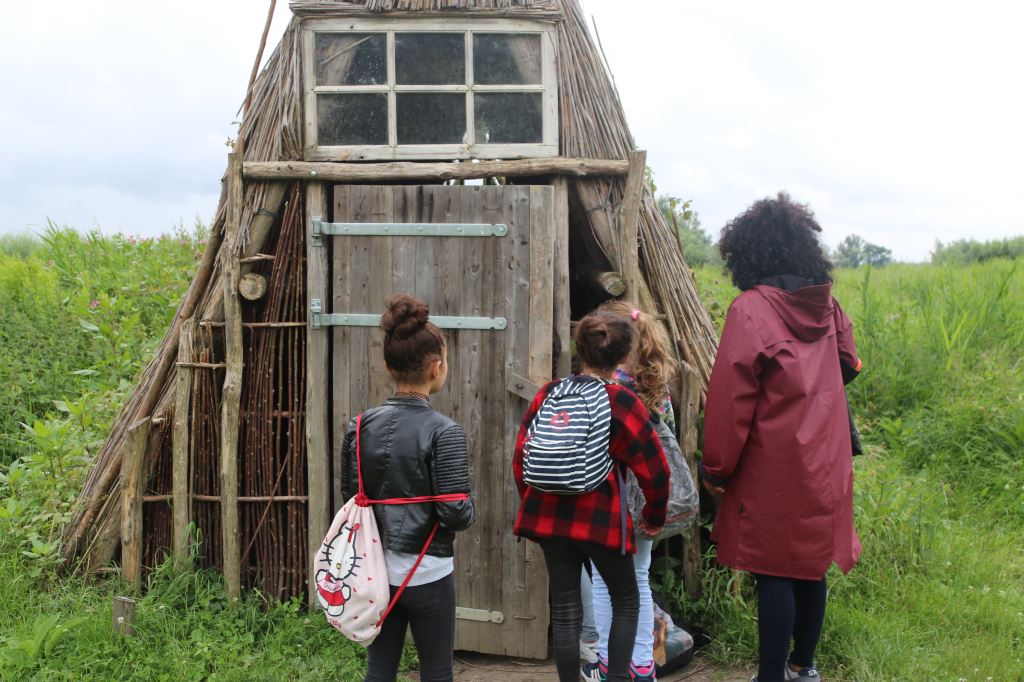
378, 89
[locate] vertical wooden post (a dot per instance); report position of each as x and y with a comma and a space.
317, 399
232, 394
132, 468
561, 269
123, 613
689, 407
182, 504
629, 223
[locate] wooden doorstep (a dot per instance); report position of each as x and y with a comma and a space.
332, 171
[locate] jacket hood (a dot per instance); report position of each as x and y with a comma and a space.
805, 307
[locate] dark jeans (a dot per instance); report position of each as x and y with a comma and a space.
786, 608
565, 559
429, 610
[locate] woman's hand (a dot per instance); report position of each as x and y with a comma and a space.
713, 489
648, 531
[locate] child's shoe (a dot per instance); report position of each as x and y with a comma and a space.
642, 674
594, 672
808, 674
588, 652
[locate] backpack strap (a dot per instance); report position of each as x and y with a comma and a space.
412, 571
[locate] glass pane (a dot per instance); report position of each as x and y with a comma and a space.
351, 119
431, 118
430, 58
506, 59
509, 117
351, 58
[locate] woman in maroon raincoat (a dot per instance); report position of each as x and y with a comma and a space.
777, 431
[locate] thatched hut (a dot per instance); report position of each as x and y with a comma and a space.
473, 152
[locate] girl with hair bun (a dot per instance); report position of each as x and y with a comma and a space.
594, 525
407, 449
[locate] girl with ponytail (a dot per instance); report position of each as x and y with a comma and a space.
594, 525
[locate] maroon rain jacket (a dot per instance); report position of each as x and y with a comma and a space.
777, 434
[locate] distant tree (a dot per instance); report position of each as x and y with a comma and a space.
964, 251
855, 251
698, 248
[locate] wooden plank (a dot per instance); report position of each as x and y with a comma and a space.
182, 506
132, 472
629, 223
561, 315
232, 392
317, 349
341, 338
379, 289
340, 171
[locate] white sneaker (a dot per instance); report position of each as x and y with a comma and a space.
588, 652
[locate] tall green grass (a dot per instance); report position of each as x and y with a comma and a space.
939, 498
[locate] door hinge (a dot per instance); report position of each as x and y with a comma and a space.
479, 615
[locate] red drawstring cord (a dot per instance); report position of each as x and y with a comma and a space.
363, 501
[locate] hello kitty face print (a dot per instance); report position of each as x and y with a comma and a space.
342, 561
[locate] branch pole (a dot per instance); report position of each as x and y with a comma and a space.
629, 223
232, 393
132, 469
259, 56
182, 506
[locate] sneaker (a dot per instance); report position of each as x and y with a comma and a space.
588, 652
808, 674
594, 672
644, 674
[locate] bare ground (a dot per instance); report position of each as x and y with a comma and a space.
473, 667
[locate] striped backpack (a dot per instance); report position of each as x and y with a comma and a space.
566, 448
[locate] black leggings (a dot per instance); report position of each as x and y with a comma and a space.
565, 559
429, 610
787, 608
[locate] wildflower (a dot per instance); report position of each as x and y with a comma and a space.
94, 304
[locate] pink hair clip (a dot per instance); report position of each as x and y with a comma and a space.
635, 315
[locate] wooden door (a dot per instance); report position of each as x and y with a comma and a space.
502, 282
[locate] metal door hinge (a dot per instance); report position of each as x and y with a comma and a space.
479, 615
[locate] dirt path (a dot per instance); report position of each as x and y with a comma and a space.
472, 667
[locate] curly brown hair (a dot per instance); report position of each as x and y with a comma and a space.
653, 364
774, 237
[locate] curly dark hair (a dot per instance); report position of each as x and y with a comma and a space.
774, 237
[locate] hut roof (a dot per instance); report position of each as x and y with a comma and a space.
592, 125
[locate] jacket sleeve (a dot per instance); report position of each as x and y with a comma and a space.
349, 484
450, 474
849, 361
732, 397
517, 456
635, 444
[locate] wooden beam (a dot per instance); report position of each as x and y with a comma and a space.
123, 612
132, 469
629, 223
329, 171
689, 408
232, 393
179, 446
318, 447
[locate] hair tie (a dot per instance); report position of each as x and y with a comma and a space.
635, 315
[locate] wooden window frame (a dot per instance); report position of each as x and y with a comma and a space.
392, 151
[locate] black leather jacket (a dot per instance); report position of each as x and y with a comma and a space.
408, 450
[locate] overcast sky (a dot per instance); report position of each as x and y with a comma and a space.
900, 121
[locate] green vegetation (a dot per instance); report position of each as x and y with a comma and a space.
694, 240
966, 251
940, 495
939, 592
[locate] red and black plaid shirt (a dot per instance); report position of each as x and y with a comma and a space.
595, 516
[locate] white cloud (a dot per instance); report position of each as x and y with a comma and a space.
898, 121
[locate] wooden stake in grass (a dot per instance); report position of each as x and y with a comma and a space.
124, 616
180, 439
